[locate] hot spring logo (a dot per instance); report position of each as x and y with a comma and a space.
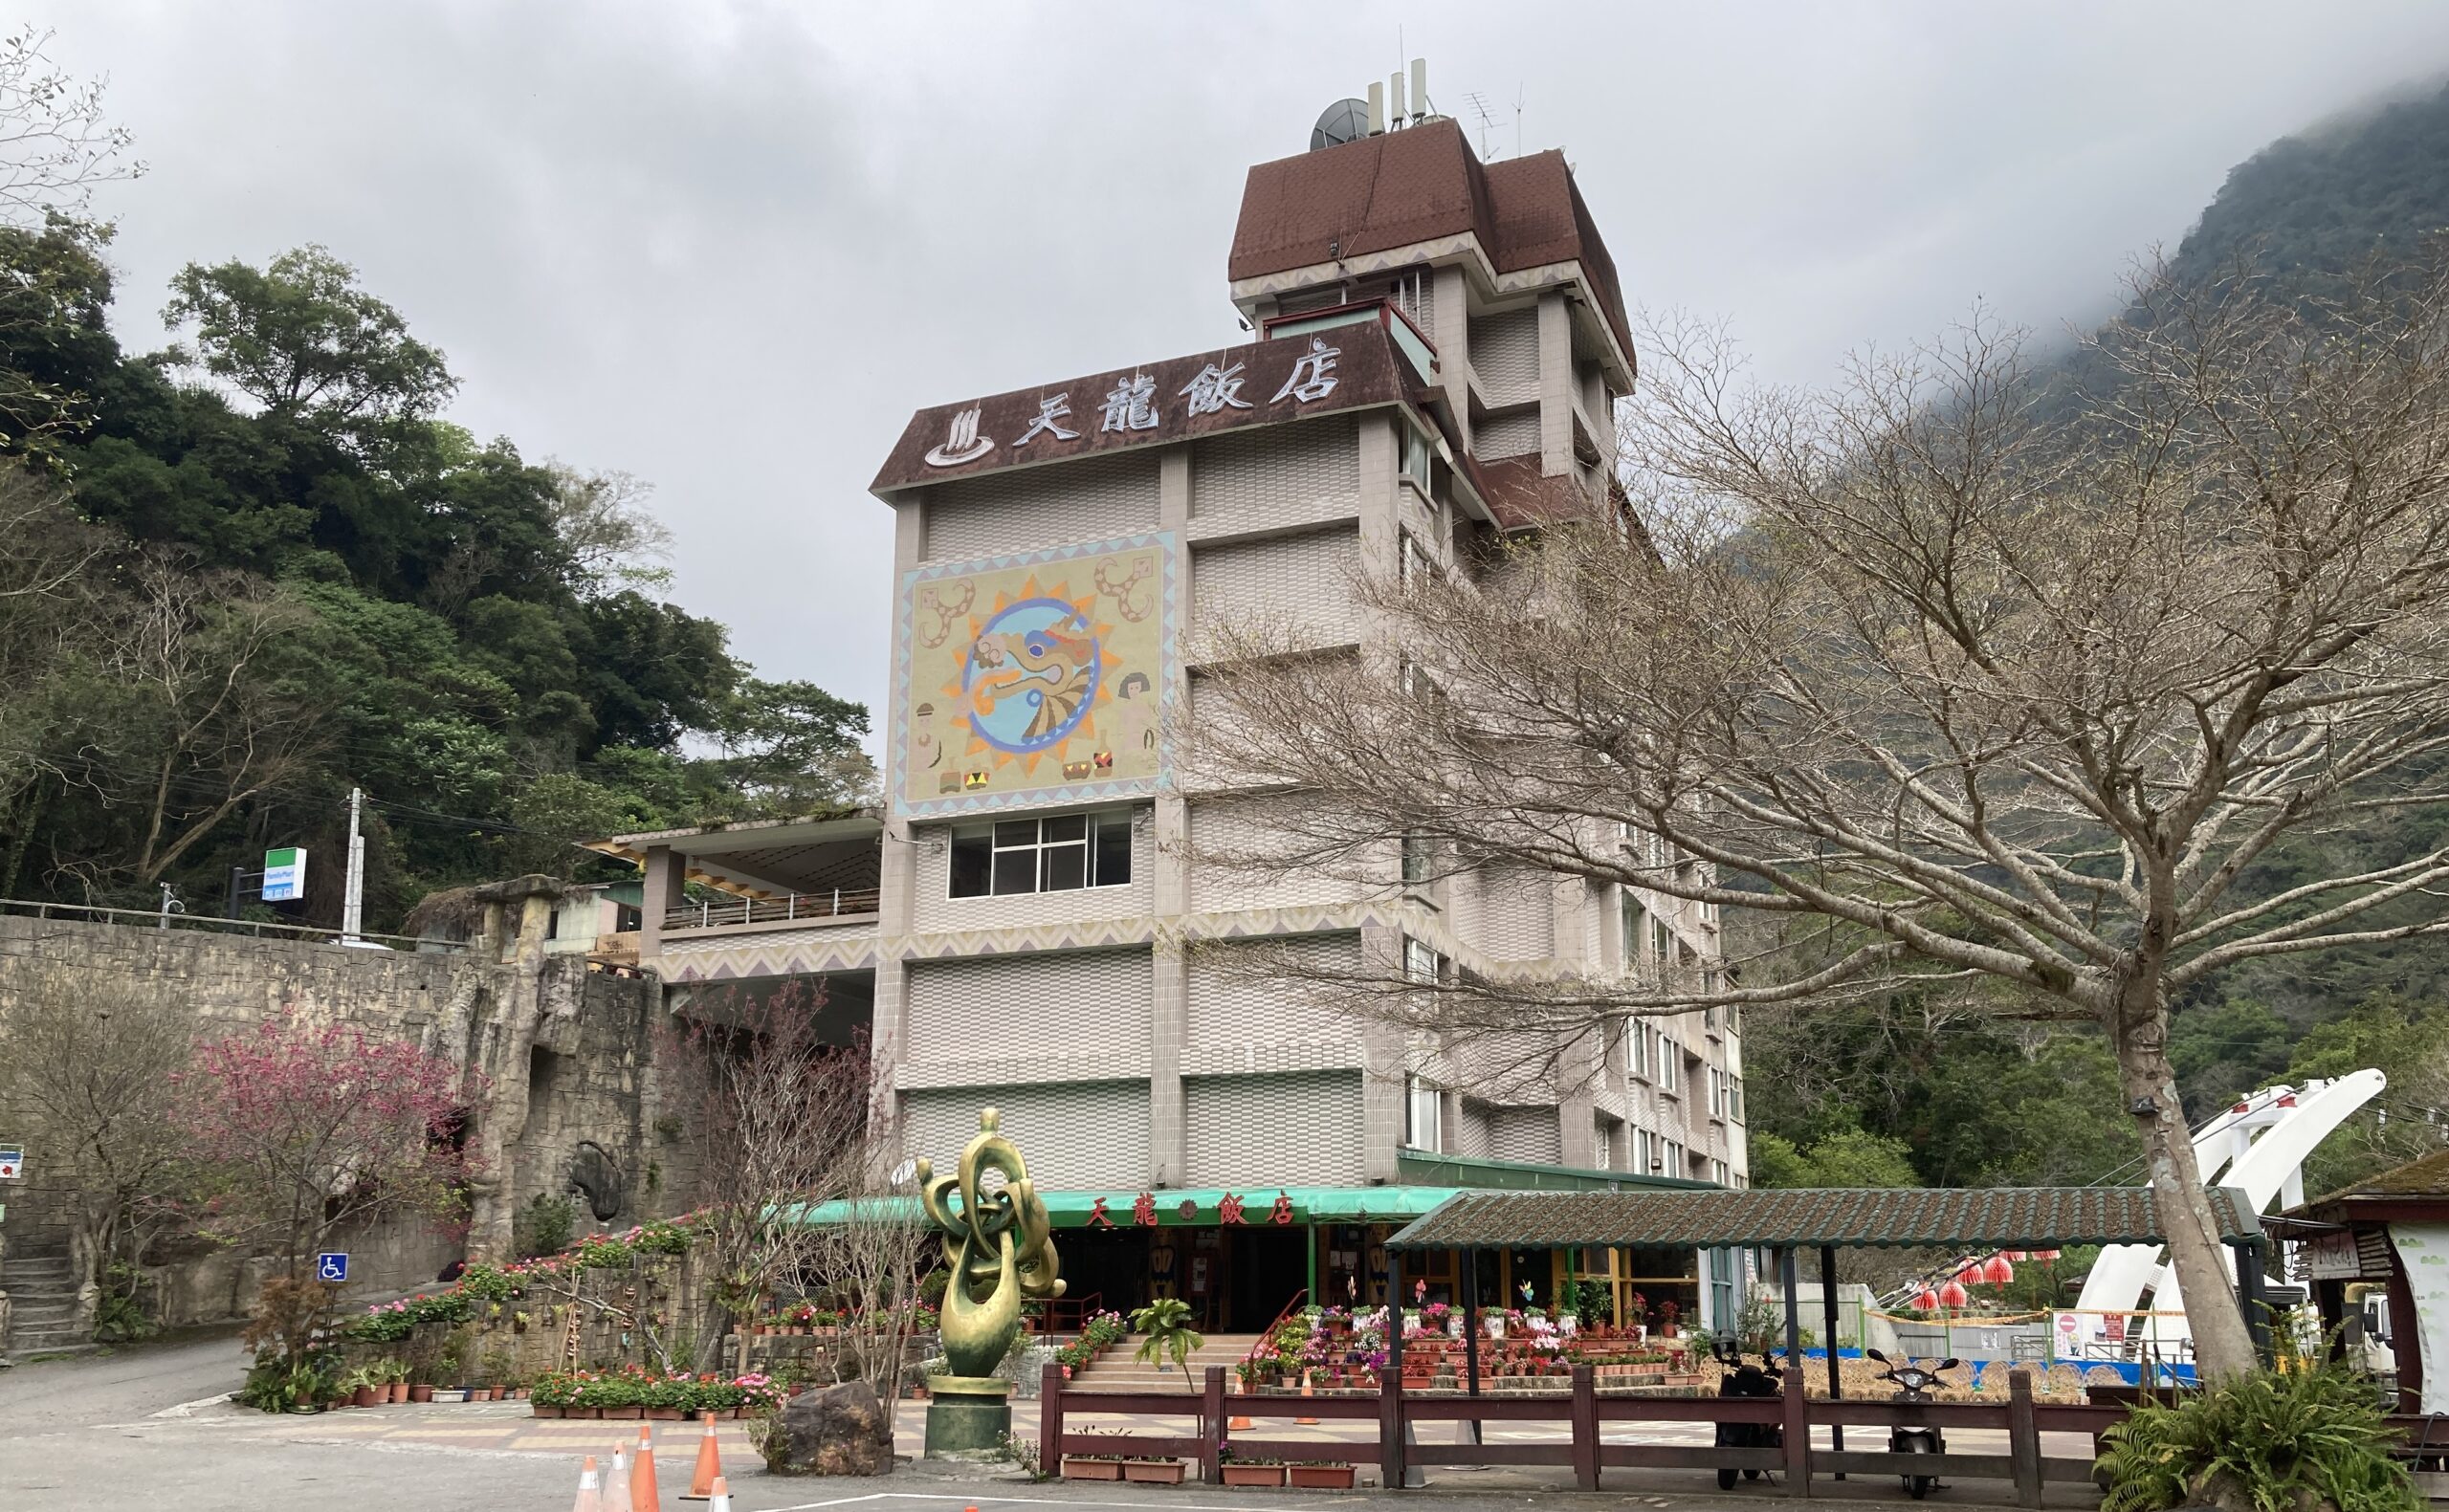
1031, 681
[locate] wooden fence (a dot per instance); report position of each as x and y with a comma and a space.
1586, 1414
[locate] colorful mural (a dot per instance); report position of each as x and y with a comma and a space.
1034, 679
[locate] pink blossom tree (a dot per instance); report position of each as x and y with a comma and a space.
308, 1128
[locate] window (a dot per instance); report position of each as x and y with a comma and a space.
1635, 931
1415, 456
1734, 1098
1058, 853
1638, 1047
1718, 1171
1670, 1061
1423, 1115
1420, 964
1676, 1164
1413, 566
1661, 948
1416, 852
1644, 1150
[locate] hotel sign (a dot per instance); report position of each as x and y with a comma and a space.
1264, 383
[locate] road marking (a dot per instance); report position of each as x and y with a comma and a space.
985, 1499
187, 1409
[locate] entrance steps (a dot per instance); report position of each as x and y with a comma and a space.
1118, 1372
42, 1305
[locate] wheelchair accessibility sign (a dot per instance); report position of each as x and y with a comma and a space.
331, 1265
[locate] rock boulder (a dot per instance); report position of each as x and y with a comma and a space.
839, 1430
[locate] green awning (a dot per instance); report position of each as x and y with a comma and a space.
1195, 1208
2002, 1217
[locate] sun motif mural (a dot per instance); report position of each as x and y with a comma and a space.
1029, 686
1034, 678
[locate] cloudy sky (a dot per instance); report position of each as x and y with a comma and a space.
730, 247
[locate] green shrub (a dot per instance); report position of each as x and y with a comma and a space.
2312, 1432
545, 1226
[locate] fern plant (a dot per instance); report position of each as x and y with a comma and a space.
2308, 1435
1166, 1323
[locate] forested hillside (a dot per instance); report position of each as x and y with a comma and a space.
250, 571
1898, 1095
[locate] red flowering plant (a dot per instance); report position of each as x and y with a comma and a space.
308, 1130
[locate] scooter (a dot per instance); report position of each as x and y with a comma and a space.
1745, 1379
1914, 1384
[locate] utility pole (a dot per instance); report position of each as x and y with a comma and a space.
353, 899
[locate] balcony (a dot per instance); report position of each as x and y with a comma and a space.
840, 906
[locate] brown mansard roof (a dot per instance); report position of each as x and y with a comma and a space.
1414, 185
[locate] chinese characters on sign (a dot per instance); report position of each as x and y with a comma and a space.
1048, 411
1230, 1210
1132, 406
1136, 404
1313, 376
1282, 1211
1143, 1209
1099, 1218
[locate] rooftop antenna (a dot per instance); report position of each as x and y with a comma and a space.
1517, 120
1479, 104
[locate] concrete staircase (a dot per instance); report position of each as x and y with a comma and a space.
42, 1306
1118, 1372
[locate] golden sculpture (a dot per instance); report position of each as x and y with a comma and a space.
996, 1244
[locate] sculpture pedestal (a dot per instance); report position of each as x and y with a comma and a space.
968, 1416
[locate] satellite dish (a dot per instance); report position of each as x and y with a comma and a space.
903, 1173
1344, 121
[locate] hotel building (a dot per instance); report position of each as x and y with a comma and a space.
1432, 351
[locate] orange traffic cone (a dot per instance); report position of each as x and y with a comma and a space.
719, 1500
710, 1466
616, 1483
590, 1489
1241, 1422
1306, 1391
642, 1495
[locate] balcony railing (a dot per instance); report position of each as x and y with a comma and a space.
812, 907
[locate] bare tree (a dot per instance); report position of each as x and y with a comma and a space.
613, 538
185, 712
1968, 689
91, 1078
782, 1106
55, 145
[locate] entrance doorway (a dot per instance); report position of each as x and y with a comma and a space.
1263, 1268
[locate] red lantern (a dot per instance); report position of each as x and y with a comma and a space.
1997, 1273
1925, 1300
1951, 1296
2044, 1254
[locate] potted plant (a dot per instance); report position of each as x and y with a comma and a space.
1330, 1474
395, 1381
1240, 1472
1160, 1470
360, 1384
1090, 1467
551, 1394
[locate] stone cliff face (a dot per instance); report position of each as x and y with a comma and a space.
559, 1064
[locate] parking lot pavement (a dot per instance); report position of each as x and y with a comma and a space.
138, 1430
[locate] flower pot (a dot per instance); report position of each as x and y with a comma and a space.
1154, 1472
664, 1414
362, 1396
1322, 1478
1075, 1468
625, 1411
399, 1393
589, 1413
1252, 1474
420, 1393
545, 1410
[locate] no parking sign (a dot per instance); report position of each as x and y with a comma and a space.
12, 1163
